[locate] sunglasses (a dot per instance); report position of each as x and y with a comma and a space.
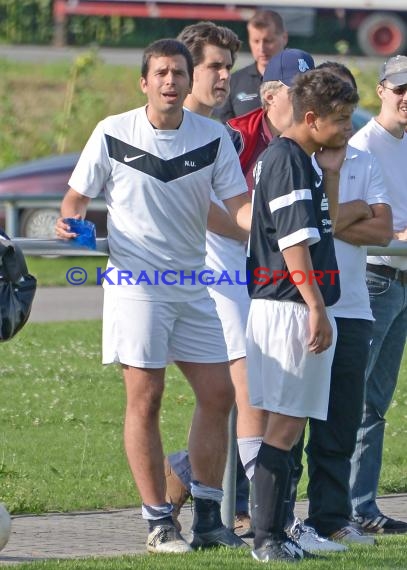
400, 90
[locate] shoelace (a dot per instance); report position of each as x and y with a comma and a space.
163, 535
300, 528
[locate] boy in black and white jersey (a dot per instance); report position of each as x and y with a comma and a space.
293, 279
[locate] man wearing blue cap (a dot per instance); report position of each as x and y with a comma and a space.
251, 133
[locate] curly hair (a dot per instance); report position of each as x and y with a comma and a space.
197, 36
321, 91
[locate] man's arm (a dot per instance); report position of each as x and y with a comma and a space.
298, 258
240, 210
220, 222
376, 230
74, 205
351, 212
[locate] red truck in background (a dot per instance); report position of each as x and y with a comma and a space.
380, 26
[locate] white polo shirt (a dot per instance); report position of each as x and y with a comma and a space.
360, 179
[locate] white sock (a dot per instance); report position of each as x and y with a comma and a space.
248, 451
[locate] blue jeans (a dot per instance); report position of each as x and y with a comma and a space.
388, 300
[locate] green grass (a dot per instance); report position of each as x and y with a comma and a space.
51, 271
37, 92
390, 554
61, 415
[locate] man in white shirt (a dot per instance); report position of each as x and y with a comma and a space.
158, 165
384, 136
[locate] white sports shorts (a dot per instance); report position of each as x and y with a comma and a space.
232, 306
150, 334
284, 377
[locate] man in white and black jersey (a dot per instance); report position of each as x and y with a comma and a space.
157, 166
293, 279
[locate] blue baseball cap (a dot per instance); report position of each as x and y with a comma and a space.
287, 64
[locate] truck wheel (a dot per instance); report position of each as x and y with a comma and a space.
382, 34
39, 223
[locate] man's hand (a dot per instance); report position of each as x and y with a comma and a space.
330, 159
62, 229
320, 331
73, 206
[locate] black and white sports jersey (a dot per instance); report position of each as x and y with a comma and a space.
157, 187
289, 207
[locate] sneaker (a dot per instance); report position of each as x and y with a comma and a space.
351, 535
382, 525
310, 541
221, 536
177, 494
278, 550
166, 539
243, 526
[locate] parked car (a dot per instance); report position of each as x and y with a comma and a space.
34, 190
39, 186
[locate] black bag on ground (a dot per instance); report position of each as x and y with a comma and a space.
17, 289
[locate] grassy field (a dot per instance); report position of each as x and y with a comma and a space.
61, 421
61, 416
52, 271
43, 106
390, 554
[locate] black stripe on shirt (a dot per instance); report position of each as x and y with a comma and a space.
164, 170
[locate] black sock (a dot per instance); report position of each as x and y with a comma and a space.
158, 522
271, 477
206, 515
287, 516
296, 468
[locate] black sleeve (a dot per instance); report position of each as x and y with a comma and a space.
236, 137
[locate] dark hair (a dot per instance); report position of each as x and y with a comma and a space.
166, 47
197, 36
340, 70
264, 18
320, 91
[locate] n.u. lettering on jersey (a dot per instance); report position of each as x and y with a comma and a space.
163, 170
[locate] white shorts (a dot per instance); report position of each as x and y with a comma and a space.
284, 376
232, 306
150, 334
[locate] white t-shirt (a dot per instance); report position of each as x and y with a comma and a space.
360, 179
157, 186
391, 154
225, 254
